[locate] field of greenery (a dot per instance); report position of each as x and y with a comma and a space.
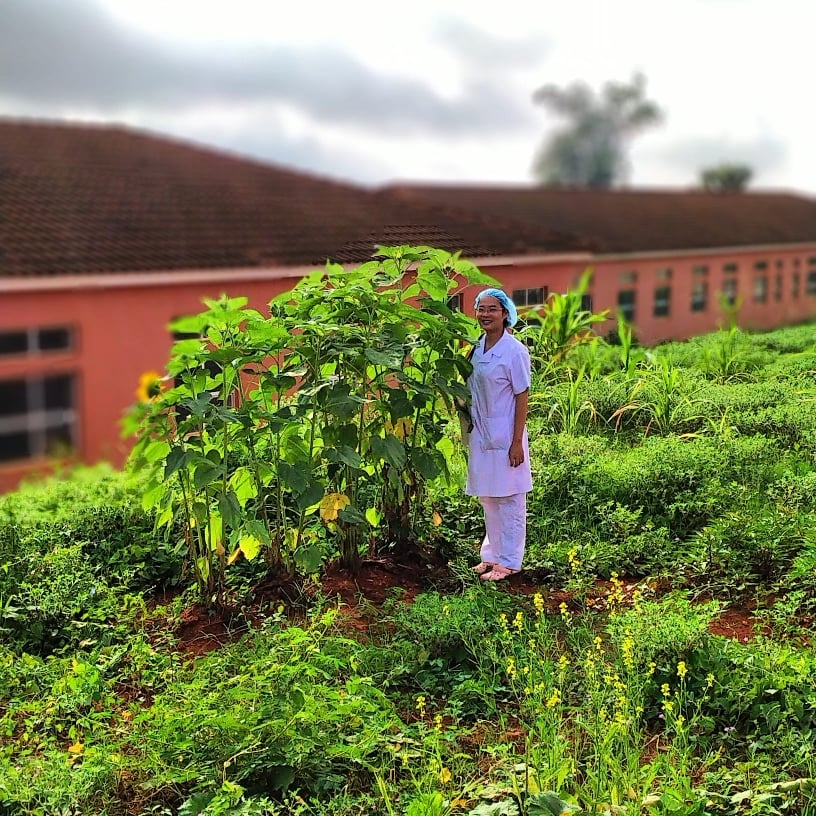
672, 485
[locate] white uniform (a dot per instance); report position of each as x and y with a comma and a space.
498, 376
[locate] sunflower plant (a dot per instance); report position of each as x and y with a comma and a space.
318, 424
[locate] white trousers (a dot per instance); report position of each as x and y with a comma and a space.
506, 526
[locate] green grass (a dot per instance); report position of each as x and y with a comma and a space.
604, 691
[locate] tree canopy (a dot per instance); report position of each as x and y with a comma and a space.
726, 177
590, 149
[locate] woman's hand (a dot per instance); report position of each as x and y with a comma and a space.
516, 454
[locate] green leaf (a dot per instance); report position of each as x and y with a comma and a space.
390, 358
434, 283
196, 804
426, 462
338, 401
205, 473
295, 477
249, 546
348, 456
309, 559
230, 509
156, 450
243, 484
547, 803
152, 494
310, 497
391, 450
373, 516
352, 515
177, 458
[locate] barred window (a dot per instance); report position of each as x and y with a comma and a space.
37, 416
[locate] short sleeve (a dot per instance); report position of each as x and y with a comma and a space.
520, 369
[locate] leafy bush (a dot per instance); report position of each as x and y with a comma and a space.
98, 509
663, 632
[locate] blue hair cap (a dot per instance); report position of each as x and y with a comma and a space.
512, 313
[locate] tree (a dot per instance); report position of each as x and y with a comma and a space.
726, 178
590, 150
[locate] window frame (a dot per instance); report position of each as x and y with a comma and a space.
36, 420
34, 344
661, 305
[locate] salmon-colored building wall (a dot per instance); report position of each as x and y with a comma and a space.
785, 302
119, 330
120, 322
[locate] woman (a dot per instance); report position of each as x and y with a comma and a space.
498, 453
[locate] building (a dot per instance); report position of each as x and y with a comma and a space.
107, 234
666, 260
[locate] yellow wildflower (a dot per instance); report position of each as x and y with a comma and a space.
682, 671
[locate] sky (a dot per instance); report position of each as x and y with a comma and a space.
430, 90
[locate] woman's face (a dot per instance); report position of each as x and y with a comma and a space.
490, 313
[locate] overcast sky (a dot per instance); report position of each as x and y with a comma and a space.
426, 90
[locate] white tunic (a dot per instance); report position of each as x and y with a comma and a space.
497, 377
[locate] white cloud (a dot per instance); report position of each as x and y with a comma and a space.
432, 90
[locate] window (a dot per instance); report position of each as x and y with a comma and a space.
664, 274
812, 260
780, 264
730, 291
699, 296
811, 283
796, 284
778, 287
455, 303
761, 265
626, 304
797, 262
662, 301
36, 341
730, 268
700, 271
760, 289
529, 297
586, 303
629, 276
37, 416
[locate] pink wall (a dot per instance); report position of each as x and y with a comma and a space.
782, 307
121, 331
121, 321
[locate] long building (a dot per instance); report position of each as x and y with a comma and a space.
107, 234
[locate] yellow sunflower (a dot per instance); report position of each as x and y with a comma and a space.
150, 386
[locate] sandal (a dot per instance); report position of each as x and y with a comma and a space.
483, 567
498, 573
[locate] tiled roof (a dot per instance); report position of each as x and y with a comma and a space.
637, 220
80, 199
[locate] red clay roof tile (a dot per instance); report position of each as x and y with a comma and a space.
88, 198
636, 220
